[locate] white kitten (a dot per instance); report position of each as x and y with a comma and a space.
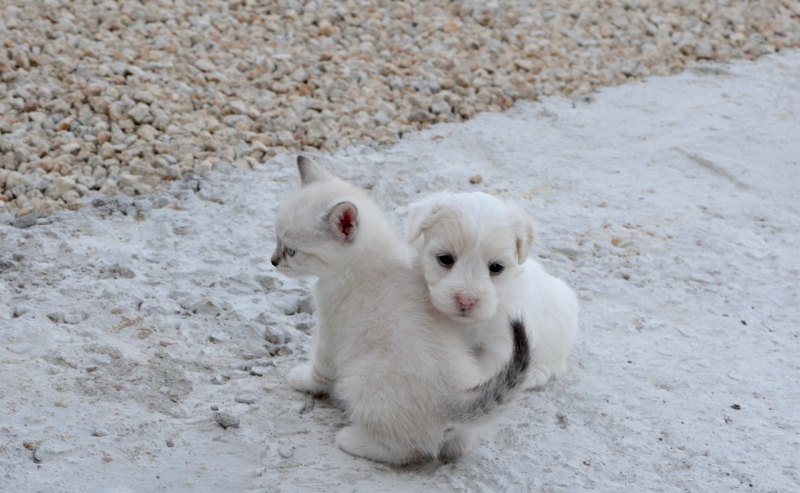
403, 372
473, 251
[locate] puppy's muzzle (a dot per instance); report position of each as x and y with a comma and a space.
466, 303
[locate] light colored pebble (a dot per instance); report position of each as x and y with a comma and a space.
259, 371
133, 107
285, 450
245, 399
219, 337
99, 432
226, 420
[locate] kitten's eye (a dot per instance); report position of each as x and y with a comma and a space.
290, 252
496, 268
446, 260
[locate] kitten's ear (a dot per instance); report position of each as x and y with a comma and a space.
311, 171
343, 221
419, 216
524, 231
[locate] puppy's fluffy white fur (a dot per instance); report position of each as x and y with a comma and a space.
462, 240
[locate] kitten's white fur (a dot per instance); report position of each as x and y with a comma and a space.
478, 230
403, 372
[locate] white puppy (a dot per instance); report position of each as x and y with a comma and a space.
473, 250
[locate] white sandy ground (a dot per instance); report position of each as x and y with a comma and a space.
670, 205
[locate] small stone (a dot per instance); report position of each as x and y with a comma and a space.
71, 148
276, 335
285, 450
116, 271
524, 64
170, 443
206, 307
219, 337
103, 137
19, 311
93, 90
704, 50
226, 420
245, 399
299, 75
73, 318
25, 221
238, 107
147, 133
5, 265
140, 113
439, 107
59, 186
99, 432
476, 179
47, 452
205, 65
107, 150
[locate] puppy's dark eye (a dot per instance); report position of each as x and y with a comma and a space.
446, 260
290, 252
496, 268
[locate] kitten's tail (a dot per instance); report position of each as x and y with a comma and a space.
481, 400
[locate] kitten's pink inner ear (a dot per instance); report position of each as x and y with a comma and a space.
347, 222
343, 221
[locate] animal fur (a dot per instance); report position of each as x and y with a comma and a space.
404, 373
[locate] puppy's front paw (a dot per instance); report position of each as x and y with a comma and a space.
305, 378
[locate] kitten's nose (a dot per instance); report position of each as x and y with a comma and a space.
275, 261
465, 302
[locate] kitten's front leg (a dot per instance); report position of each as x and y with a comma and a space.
456, 445
307, 377
356, 440
316, 376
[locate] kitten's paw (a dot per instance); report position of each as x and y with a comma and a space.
355, 440
455, 447
351, 439
305, 378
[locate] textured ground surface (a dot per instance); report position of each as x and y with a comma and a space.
122, 96
670, 205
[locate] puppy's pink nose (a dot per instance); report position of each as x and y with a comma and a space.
465, 302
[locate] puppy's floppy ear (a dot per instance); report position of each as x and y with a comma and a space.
522, 225
311, 171
342, 220
419, 217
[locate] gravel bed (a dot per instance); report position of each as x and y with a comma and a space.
119, 96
